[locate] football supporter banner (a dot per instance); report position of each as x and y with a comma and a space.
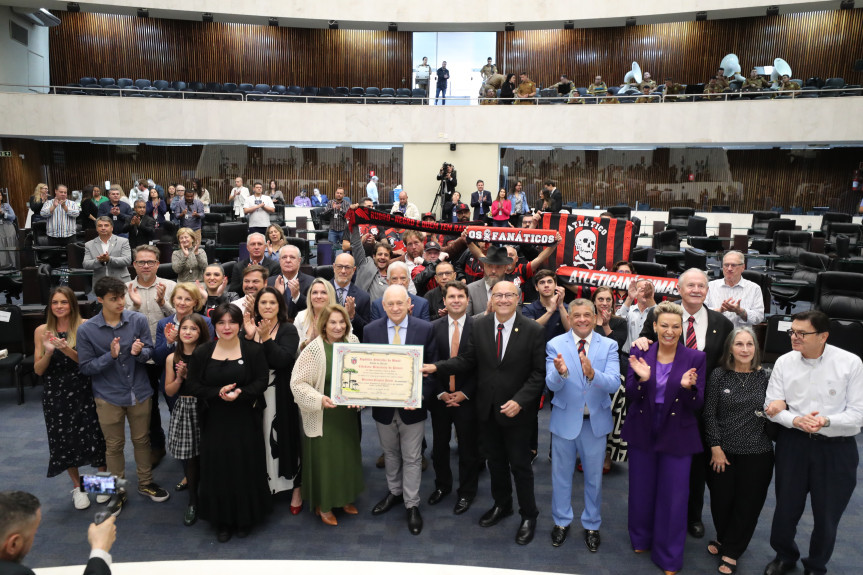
591, 243
614, 280
364, 216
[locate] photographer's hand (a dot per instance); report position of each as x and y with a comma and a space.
102, 536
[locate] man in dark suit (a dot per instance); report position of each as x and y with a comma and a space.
142, 226
355, 300
705, 330
480, 201
443, 273
453, 405
119, 212
290, 281
398, 274
20, 515
510, 350
256, 244
555, 197
401, 431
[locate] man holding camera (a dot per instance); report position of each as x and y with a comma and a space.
20, 515
447, 176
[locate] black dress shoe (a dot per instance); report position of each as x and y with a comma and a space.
778, 567
415, 521
558, 535
494, 515
525, 531
591, 539
387, 503
462, 505
696, 529
191, 516
438, 495
224, 534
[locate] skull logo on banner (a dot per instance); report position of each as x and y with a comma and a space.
585, 246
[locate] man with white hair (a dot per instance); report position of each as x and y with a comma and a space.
738, 299
401, 431
398, 274
256, 244
290, 281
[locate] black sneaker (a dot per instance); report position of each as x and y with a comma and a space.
154, 492
116, 504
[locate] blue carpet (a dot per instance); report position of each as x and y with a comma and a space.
154, 531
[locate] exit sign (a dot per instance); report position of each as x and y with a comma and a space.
5, 154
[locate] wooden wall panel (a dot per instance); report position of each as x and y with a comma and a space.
79, 164
20, 175
823, 44
105, 45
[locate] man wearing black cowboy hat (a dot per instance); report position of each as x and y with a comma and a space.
494, 270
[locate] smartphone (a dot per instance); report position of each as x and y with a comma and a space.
102, 484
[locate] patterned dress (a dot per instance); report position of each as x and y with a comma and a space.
74, 435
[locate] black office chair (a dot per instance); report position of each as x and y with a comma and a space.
789, 243
847, 334
166, 272
233, 233
759, 223
668, 241
765, 245
696, 226
763, 281
12, 339
694, 258
304, 246
639, 254
801, 285
403, 96
839, 295
678, 218
417, 96
622, 212
650, 269
325, 272
830, 217
854, 232
777, 341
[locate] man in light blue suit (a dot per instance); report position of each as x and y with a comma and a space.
582, 369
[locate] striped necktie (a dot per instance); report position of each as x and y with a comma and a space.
691, 342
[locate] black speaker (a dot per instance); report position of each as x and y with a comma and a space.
452, 147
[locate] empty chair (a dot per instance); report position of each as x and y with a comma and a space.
790, 243
245, 88
279, 89
650, 269
832, 84
161, 84
214, 87
262, 88
828, 217
327, 95
357, 92
310, 93
142, 83
372, 95
197, 86
622, 212
639, 254
125, 83
678, 217
801, 286
696, 226
107, 82
343, 92
762, 280
765, 245
759, 222
547, 95
853, 231
710, 244
417, 95
294, 94
402, 96
387, 95
839, 295
847, 334
88, 81
179, 86
669, 242
694, 258
255, 96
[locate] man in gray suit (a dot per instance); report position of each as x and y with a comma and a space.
108, 255
494, 269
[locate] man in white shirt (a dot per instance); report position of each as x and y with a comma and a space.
738, 299
258, 208
405, 208
61, 214
372, 189
238, 196
107, 254
641, 291
816, 394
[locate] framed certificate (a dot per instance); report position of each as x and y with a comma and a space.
377, 375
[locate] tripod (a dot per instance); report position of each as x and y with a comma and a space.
438, 198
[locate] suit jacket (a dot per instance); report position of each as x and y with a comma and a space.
572, 393
122, 221
420, 332
435, 300
556, 201
235, 284
478, 294
305, 283
95, 566
143, 233
718, 328
420, 310
362, 304
119, 252
519, 376
678, 432
464, 382
485, 201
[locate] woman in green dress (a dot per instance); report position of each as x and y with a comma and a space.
332, 461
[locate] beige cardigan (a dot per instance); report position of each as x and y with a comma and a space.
308, 383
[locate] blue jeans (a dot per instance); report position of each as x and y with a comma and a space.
335, 238
440, 91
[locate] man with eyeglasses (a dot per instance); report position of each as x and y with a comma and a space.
738, 299
704, 330
816, 394
444, 272
511, 350
398, 274
356, 301
151, 296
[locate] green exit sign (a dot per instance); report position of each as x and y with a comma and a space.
5, 154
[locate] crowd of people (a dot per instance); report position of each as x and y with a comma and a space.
243, 361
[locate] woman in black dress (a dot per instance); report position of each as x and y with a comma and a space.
89, 207
74, 435
507, 91
230, 377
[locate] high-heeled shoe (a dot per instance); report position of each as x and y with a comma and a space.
350, 509
326, 516
671, 573
295, 510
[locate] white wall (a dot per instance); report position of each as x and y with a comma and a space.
756, 122
22, 66
472, 162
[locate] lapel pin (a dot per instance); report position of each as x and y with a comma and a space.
516, 330
714, 331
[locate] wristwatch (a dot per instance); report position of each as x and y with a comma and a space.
826, 422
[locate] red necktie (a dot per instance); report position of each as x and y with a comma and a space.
499, 341
581, 343
691, 342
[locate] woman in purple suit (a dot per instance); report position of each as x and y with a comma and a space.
664, 389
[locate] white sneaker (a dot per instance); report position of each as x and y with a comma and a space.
103, 498
80, 499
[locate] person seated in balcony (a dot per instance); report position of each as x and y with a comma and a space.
672, 88
713, 89
787, 85
564, 87
495, 82
507, 91
721, 79
598, 88
646, 80
526, 92
489, 99
645, 97
302, 201
754, 82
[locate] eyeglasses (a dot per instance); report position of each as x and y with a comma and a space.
500, 296
147, 263
731, 265
343, 268
800, 334
444, 274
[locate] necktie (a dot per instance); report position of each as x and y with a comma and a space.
341, 296
581, 343
691, 342
397, 339
499, 341
453, 351
481, 209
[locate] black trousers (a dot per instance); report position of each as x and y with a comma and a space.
827, 472
736, 498
157, 434
507, 450
463, 418
698, 477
